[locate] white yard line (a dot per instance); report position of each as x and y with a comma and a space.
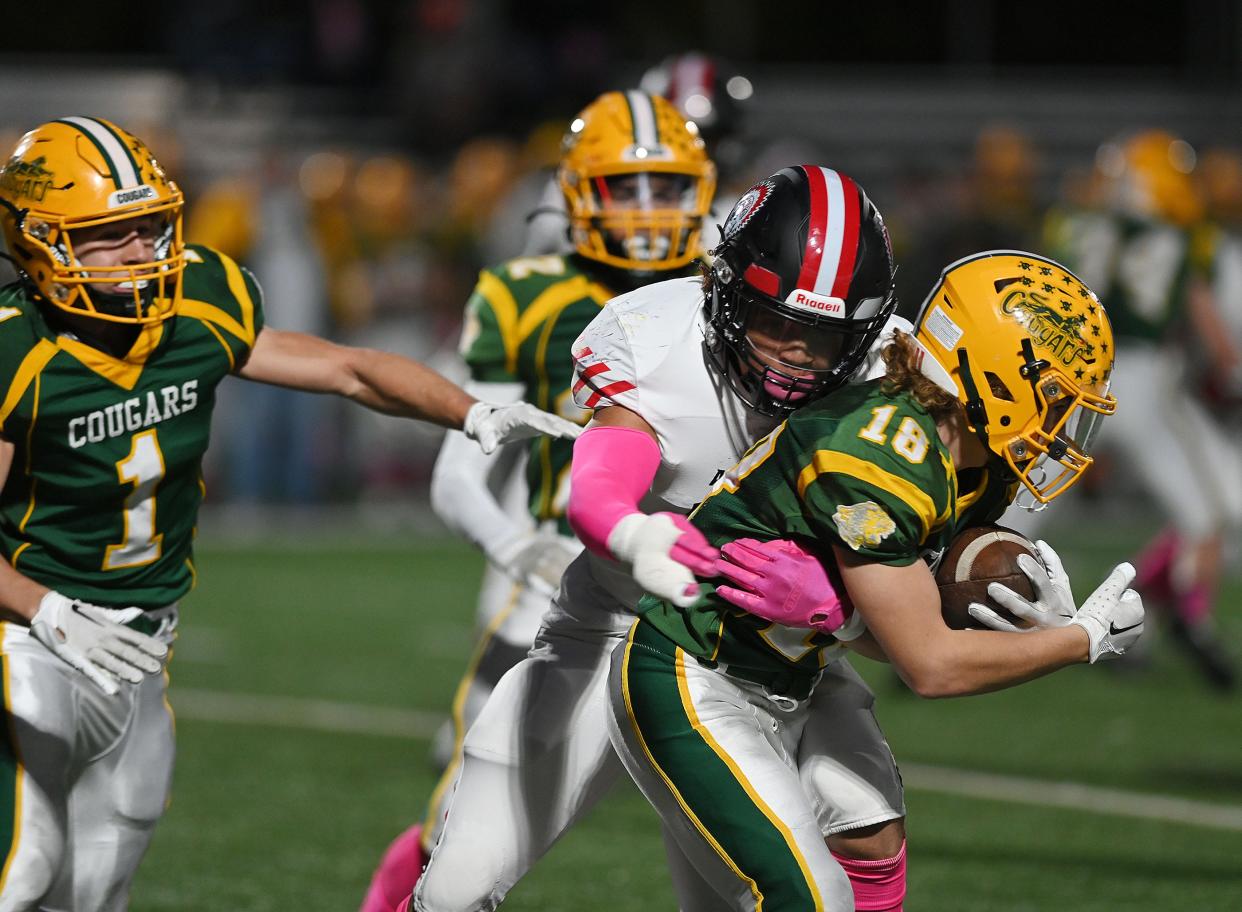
296, 712
1071, 795
379, 721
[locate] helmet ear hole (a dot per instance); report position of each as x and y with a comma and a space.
998, 387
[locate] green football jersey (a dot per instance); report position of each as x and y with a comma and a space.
103, 492
861, 469
1140, 269
520, 323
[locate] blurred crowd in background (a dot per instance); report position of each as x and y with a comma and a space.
366, 159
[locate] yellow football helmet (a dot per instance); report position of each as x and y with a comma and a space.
81, 172
637, 183
1028, 350
1148, 175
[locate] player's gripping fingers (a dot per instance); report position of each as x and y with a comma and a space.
989, 618
1011, 601
739, 598
1041, 579
746, 552
691, 549
114, 665
735, 574
147, 645
103, 680
135, 655
1052, 561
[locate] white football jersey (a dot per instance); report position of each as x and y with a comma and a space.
645, 352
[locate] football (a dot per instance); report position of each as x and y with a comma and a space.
978, 556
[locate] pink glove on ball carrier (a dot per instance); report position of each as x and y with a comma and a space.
782, 582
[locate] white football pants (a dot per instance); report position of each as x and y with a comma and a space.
86, 778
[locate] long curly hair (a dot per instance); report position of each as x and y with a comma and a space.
901, 360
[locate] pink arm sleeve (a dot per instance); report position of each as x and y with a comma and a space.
612, 469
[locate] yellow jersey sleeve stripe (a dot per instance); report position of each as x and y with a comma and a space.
831, 461
201, 310
219, 338
237, 285
556, 299
36, 359
503, 305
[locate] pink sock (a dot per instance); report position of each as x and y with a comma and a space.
398, 872
1194, 606
1155, 566
879, 886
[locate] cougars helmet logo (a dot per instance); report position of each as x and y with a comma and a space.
1028, 350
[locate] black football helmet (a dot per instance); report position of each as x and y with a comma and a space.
799, 288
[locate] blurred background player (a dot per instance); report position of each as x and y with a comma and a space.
637, 183
1142, 243
712, 95
113, 342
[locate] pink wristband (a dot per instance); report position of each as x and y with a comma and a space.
612, 469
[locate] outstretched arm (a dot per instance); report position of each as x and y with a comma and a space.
462, 495
382, 381
394, 385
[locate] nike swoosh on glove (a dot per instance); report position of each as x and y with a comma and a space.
1112, 616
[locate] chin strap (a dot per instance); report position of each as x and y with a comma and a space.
976, 414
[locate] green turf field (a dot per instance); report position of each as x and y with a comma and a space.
308, 677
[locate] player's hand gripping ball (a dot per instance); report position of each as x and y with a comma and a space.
978, 557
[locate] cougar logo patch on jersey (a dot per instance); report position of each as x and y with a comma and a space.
863, 523
745, 208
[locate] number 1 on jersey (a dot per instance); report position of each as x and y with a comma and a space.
144, 469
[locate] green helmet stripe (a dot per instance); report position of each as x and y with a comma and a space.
643, 119
124, 170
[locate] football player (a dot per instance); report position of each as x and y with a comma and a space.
112, 344
709, 94
713, 711
709, 374
1146, 251
637, 183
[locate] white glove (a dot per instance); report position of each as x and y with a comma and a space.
96, 641
492, 426
1054, 599
537, 559
1112, 616
664, 553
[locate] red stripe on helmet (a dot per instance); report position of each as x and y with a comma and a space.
816, 228
762, 279
849, 239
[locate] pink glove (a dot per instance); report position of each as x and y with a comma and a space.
692, 550
782, 582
